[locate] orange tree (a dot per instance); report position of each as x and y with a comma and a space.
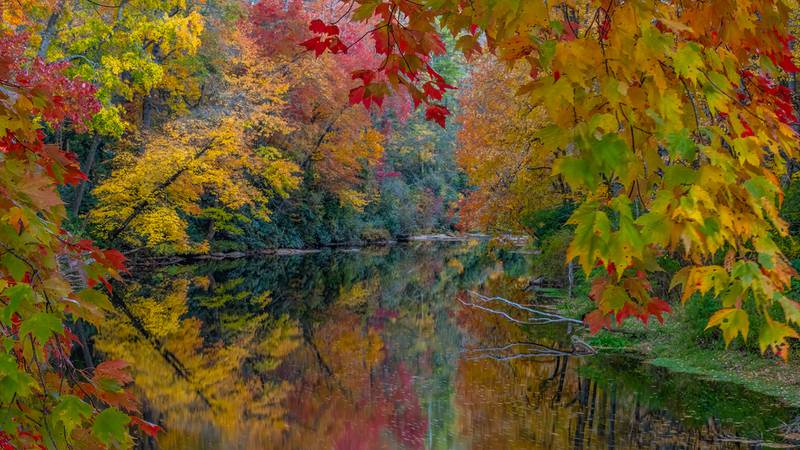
47, 276
668, 119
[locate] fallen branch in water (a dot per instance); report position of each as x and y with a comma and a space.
530, 350
536, 317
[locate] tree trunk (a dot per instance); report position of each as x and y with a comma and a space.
50, 29
87, 354
570, 278
145, 202
87, 168
212, 230
147, 110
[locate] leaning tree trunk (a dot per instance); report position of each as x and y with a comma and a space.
87, 168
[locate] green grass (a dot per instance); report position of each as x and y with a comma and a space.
612, 342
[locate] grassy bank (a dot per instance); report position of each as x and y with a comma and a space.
682, 344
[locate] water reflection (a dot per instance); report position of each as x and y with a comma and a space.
372, 350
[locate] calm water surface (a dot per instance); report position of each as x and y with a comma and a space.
372, 349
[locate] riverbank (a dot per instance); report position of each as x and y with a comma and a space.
681, 344
338, 246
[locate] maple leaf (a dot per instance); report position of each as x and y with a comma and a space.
597, 320
773, 336
110, 426
41, 326
148, 428
71, 412
732, 322
118, 371
591, 235
437, 113
317, 26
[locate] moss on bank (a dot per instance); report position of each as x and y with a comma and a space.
681, 344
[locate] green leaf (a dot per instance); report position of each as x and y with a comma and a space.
591, 235
364, 11
791, 309
609, 154
19, 297
96, 298
746, 272
13, 382
577, 172
774, 335
731, 321
15, 266
626, 243
760, 187
655, 227
111, 425
766, 260
681, 145
41, 326
547, 50
71, 412
688, 61
656, 41
613, 299
679, 175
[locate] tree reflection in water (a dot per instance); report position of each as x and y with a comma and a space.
372, 350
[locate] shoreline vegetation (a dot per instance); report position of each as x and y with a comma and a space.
341, 246
680, 348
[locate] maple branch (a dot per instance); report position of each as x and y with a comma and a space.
591, 24
74, 57
360, 38
44, 388
399, 50
567, 19
349, 8
694, 106
35, 272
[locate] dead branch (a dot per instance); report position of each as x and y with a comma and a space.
535, 316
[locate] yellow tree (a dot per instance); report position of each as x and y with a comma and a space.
216, 152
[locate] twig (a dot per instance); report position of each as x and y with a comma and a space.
546, 316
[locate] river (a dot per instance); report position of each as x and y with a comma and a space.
374, 349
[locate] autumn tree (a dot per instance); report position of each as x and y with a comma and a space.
141, 56
334, 143
500, 152
208, 165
